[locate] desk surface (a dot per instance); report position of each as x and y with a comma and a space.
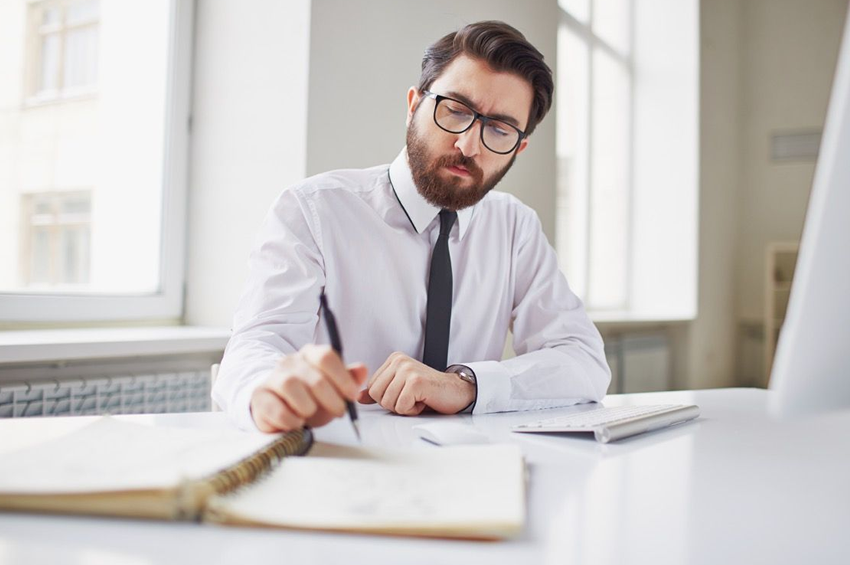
735, 486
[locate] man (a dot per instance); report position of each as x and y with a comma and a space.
426, 268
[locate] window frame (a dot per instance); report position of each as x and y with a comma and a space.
167, 302
594, 43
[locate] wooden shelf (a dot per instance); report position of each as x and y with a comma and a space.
779, 274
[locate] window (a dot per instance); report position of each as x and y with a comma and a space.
627, 156
594, 143
92, 165
63, 47
57, 239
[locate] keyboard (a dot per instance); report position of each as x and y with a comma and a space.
614, 422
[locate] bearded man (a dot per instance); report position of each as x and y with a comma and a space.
427, 268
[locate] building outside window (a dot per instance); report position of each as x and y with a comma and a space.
94, 108
56, 242
63, 47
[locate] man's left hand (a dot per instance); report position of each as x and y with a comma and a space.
406, 386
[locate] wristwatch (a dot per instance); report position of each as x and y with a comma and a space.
464, 372
468, 375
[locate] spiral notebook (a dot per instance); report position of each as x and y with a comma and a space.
117, 468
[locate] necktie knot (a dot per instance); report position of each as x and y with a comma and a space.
447, 220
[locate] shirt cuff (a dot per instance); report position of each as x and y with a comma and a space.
240, 412
494, 386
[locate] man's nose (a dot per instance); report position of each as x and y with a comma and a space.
469, 142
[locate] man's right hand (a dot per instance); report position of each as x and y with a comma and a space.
309, 387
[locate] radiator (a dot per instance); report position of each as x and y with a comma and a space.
639, 362
184, 391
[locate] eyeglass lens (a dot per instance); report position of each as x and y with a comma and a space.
456, 117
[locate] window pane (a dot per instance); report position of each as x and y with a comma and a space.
95, 160
49, 62
40, 257
82, 12
76, 204
51, 16
73, 260
572, 147
612, 22
579, 9
609, 216
80, 63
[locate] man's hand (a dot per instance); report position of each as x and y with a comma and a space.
309, 387
406, 386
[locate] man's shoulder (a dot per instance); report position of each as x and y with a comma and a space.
350, 180
504, 203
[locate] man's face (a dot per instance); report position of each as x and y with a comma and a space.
455, 171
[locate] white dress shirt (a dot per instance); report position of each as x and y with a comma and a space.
365, 237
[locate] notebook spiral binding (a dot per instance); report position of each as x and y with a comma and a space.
244, 472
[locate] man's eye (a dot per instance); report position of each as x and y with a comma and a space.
457, 110
501, 131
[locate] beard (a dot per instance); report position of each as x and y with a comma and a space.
447, 193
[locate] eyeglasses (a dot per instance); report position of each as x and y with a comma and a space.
454, 116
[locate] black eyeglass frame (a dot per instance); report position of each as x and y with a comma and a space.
475, 116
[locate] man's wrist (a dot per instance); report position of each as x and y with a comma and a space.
467, 375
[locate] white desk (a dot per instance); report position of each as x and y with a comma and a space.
732, 487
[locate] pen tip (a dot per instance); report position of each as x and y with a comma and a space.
357, 431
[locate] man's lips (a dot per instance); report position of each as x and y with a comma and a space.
459, 170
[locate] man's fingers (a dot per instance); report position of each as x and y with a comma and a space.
380, 383
409, 400
380, 370
325, 359
299, 399
272, 414
359, 372
390, 396
328, 397
364, 397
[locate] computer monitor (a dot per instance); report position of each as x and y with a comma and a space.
811, 370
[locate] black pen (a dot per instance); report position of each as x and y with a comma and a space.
330, 321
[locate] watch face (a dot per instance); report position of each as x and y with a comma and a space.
466, 376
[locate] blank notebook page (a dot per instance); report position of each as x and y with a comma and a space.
430, 491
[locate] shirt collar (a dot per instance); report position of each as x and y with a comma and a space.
420, 212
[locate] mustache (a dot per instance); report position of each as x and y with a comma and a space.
460, 160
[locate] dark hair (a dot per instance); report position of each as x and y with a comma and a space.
504, 49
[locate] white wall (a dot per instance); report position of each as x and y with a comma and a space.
766, 66
706, 347
248, 139
365, 54
789, 52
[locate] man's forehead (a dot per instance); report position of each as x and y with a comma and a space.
495, 94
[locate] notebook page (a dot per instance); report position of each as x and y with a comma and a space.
430, 491
110, 455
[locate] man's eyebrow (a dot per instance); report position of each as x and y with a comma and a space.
503, 117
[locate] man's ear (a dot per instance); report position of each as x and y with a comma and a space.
522, 145
413, 100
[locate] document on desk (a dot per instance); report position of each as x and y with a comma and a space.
117, 468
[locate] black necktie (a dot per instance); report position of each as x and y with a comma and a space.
439, 311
